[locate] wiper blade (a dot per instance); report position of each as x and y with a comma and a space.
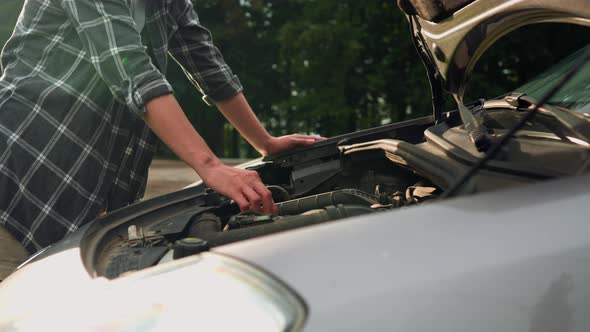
478, 133
577, 124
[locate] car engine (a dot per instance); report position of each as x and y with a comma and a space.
314, 186
364, 184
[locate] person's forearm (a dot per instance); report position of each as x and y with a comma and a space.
237, 111
167, 120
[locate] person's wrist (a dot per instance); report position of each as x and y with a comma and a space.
266, 145
203, 163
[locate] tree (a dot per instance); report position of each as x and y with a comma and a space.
336, 66
351, 65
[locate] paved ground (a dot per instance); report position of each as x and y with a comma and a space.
169, 175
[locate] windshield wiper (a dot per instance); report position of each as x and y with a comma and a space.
577, 124
498, 145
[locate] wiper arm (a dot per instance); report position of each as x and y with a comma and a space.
478, 133
570, 120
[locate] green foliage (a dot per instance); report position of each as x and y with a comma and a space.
348, 63
335, 66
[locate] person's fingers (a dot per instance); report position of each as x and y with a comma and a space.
254, 199
302, 142
315, 138
242, 202
267, 201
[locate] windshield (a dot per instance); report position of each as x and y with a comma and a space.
575, 95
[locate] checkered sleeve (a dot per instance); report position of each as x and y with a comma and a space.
192, 47
110, 37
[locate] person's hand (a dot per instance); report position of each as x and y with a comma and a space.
281, 144
242, 186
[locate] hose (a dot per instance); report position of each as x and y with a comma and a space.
334, 198
207, 226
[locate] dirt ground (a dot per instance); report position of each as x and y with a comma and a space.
166, 176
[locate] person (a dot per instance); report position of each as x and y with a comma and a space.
82, 98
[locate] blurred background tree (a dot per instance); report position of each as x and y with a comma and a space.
335, 66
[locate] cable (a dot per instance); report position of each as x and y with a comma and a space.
497, 147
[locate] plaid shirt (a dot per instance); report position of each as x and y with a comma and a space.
75, 78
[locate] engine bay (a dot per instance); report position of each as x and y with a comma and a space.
366, 184
332, 181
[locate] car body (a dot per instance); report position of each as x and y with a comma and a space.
363, 240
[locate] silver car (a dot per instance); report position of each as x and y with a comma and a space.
469, 220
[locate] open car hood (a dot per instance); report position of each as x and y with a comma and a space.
451, 35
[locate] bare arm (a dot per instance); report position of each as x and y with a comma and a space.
238, 112
167, 120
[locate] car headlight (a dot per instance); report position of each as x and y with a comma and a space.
208, 292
